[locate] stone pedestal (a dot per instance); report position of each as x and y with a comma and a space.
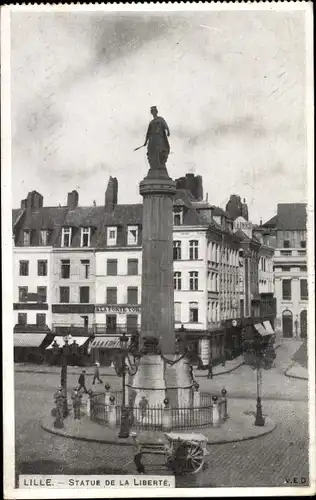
149, 381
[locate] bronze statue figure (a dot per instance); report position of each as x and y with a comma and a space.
157, 140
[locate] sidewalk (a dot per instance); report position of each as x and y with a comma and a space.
295, 370
239, 427
230, 366
108, 371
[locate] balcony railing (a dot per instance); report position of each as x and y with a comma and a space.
96, 329
102, 328
74, 330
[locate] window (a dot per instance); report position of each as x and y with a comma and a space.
84, 294
43, 237
303, 244
111, 267
85, 321
286, 290
177, 250
24, 267
177, 312
286, 253
132, 267
86, 267
111, 236
194, 280
22, 319
110, 323
42, 267
304, 289
194, 250
193, 312
286, 243
177, 280
26, 237
42, 293
66, 237
41, 319
65, 269
85, 237
131, 323
23, 290
64, 294
132, 295
286, 268
111, 295
178, 217
303, 268
132, 235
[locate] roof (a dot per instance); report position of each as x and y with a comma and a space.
291, 216
84, 216
271, 222
124, 215
16, 215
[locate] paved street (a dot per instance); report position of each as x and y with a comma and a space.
266, 461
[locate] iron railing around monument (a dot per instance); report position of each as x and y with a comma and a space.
206, 414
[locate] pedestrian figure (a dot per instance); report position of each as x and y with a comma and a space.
82, 381
60, 406
76, 403
96, 373
143, 404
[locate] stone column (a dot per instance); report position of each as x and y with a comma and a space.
157, 325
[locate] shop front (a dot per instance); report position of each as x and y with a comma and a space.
105, 348
233, 338
203, 346
30, 342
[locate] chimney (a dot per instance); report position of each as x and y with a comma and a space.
34, 200
23, 204
198, 188
260, 221
72, 200
111, 194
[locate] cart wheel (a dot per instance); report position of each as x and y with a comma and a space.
188, 459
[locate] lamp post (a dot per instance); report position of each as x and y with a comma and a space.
130, 369
259, 421
64, 352
210, 364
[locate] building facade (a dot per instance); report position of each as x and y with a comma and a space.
85, 266
287, 232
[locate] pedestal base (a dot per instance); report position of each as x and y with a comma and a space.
149, 385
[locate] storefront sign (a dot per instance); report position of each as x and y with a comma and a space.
118, 309
106, 343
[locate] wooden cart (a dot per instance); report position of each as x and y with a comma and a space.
183, 453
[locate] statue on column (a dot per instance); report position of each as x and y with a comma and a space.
156, 140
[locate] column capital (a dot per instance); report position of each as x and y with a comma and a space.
152, 186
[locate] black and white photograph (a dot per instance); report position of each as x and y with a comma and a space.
157, 243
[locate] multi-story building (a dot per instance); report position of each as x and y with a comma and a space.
287, 233
90, 261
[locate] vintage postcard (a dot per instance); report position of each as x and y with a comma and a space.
158, 250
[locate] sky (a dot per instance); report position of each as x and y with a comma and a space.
230, 84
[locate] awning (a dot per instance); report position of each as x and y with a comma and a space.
106, 343
261, 330
268, 327
28, 339
61, 342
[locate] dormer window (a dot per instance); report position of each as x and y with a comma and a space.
44, 235
132, 235
66, 237
178, 217
85, 236
26, 237
112, 236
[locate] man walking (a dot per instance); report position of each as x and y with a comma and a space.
96, 373
82, 381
